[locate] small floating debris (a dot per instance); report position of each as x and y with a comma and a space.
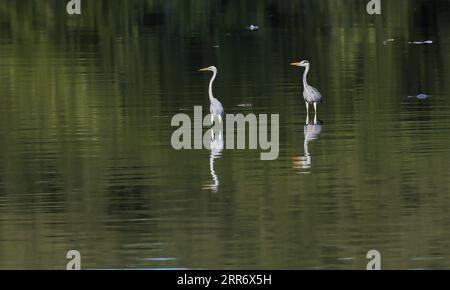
388, 40
245, 105
420, 97
252, 27
216, 46
421, 42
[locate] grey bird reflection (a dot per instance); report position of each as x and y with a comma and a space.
216, 153
311, 132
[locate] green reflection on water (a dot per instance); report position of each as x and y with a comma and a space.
86, 162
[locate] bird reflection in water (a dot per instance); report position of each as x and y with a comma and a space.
312, 132
216, 111
216, 152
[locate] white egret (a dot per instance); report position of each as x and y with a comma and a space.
216, 108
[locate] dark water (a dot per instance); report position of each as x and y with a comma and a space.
86, 161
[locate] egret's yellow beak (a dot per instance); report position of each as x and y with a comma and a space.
204, 69
296, 63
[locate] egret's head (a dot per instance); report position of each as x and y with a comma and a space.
209, 68
303, 63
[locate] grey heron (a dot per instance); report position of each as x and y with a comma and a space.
310, 94
215, 108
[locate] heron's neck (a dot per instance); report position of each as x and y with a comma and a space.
305, 74
211, 97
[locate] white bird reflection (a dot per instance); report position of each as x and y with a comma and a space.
312, 132
216, 152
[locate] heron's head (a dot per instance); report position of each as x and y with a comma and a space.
303, 63
209, 68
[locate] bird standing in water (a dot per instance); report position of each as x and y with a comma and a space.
310, 94
216, 108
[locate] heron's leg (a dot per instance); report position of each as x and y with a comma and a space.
315, 107
307, 113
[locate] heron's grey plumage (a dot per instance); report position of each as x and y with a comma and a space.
310, 94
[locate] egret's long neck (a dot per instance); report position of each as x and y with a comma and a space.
211, 97
305, 74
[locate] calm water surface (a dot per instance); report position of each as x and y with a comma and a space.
86, 161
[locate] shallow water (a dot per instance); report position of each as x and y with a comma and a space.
86, 161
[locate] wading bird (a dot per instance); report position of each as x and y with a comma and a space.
216, 108
310, 94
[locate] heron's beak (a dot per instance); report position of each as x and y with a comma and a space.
296, 63
204, 69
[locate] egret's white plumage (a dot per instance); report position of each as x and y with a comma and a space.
215, 108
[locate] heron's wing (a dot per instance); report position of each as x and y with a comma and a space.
305, 95
316, 94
